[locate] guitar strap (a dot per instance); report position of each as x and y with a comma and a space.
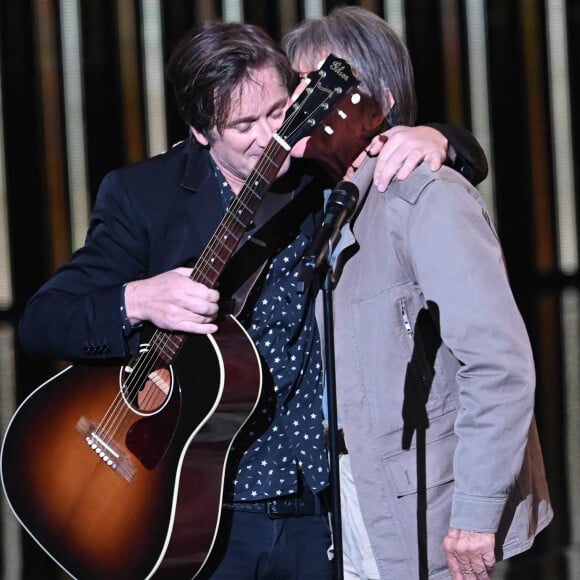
279, 219
277, 222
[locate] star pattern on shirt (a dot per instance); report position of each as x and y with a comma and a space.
283, 327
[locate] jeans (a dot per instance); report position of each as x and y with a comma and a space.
285, 548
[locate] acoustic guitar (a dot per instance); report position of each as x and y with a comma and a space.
118, 471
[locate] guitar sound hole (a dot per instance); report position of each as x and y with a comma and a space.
155, 391
146, 391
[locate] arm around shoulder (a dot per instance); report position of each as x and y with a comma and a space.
465, 154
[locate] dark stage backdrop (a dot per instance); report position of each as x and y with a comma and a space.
82, 92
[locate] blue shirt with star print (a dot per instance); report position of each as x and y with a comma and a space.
284, 436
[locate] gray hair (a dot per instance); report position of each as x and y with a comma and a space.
376, 52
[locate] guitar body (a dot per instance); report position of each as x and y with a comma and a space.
112, 491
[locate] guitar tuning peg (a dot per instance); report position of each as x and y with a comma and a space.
355, 98
328, 130
341, 114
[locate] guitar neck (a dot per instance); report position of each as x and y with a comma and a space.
239, 215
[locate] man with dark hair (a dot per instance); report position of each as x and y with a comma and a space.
232, 86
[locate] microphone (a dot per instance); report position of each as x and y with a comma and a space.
339, 207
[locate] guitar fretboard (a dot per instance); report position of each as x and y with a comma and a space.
238, 217
225, 239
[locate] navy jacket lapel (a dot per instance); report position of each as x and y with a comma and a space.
198, 177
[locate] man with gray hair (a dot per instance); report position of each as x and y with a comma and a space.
435, 375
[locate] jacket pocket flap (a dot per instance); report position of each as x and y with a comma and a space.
436, 461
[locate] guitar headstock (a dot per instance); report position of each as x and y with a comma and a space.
328, 85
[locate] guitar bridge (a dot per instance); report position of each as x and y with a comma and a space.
106, 449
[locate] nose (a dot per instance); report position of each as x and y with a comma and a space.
264, 130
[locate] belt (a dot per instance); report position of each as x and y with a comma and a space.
306, 503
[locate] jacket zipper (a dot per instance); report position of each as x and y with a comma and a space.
406, 321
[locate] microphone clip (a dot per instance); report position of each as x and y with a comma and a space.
338, 210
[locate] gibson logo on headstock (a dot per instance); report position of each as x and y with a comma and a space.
339, 68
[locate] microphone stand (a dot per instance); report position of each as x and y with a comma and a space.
330, 384
330, 381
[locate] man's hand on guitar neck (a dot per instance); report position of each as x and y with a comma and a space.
172, 301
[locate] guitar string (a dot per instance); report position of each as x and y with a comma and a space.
239, 206
161, 341
149, 360
133, 378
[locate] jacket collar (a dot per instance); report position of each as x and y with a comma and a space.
197, 166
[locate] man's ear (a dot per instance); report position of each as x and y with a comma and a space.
201, 139
390, 100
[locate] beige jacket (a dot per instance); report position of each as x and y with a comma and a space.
432, 354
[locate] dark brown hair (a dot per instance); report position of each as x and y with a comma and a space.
210, 61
